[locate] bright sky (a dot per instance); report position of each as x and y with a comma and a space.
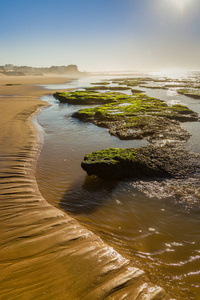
101, 35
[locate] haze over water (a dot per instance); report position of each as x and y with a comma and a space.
102, 36
111, 35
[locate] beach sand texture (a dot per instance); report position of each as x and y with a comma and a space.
44, 253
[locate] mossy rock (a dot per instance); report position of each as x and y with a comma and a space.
149, 161
110, 88
118, 88
140, 105
130, 81
130, 117
190, 93
177, 85
89, 97
162, 80
100, 83
115, 163
155, 87
181, 113
96, 88
138, 117
135, 91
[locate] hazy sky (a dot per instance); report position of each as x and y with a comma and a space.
100, 35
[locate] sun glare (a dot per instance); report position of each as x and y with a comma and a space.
180, 4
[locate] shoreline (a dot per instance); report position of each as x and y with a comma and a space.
45, 253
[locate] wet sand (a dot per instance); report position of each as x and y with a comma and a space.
44, 253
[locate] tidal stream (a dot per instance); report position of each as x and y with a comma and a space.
155, 223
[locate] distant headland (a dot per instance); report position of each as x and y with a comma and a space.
12, 70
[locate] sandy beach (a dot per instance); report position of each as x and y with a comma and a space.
45, 253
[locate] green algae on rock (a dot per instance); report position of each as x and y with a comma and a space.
135, 91
96, 88
155, 87
177, 84
149, 161
89, 97
128, 106
100, 83
165, 87
140, 116
118, 163
105, 87
190, 93
130, 81
11, 84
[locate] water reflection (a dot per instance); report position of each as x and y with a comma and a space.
87, 198
155, 223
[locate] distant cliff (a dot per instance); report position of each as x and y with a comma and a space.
10, 69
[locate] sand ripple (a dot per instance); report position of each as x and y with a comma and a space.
44, 253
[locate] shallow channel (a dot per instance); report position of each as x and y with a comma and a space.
154, 223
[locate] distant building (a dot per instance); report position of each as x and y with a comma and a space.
25, 69
61, 69
55, 69
72, 69
64, 69
8, 67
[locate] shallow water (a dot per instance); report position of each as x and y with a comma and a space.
154, 223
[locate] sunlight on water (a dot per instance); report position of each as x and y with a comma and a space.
155, 223
171, 73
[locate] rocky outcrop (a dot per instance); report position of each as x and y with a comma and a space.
149, 161
89, 97
190, 93
138, 117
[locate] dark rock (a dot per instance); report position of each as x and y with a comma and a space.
149, 161
195, 94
